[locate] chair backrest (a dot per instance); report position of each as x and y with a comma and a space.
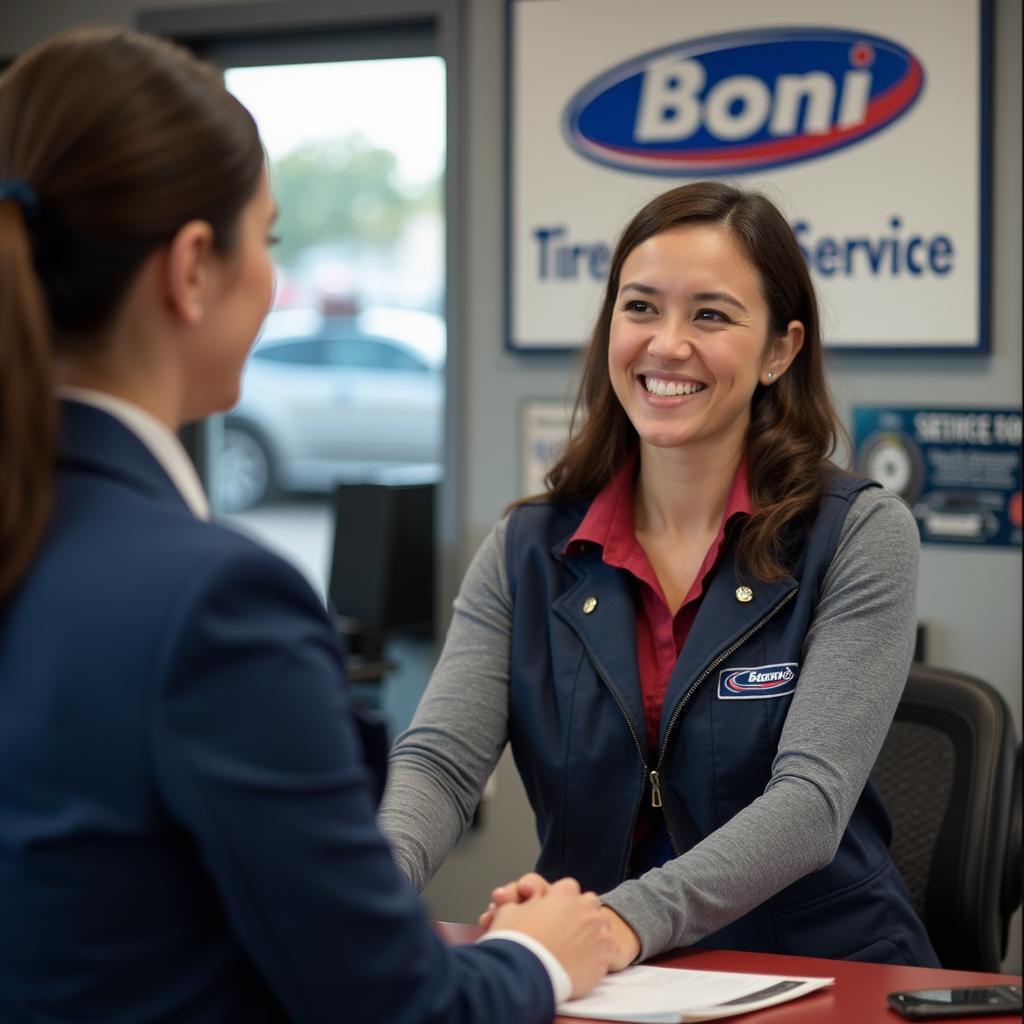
947, 773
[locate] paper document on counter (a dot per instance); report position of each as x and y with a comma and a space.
652, 995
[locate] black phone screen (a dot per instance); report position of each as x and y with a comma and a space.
940, 1002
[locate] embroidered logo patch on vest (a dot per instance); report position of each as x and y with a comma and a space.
758, 683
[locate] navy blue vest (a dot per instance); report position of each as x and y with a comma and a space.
577, 733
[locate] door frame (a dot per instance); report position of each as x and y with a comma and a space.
366, 29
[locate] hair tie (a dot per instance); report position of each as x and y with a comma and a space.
23, 194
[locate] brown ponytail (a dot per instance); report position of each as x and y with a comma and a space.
122, 138
28, 421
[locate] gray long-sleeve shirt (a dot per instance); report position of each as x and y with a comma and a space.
855, 661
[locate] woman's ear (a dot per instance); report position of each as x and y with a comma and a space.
782, 350
188, 271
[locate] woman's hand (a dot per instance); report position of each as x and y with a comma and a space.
627, 945
569, 923
516, 891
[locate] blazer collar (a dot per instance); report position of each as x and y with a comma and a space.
96, 442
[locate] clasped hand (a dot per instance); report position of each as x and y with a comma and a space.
623, 942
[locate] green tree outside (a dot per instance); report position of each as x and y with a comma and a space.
344, 192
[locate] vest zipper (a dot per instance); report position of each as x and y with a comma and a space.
655, 789
684, 700
654, 776
643, 762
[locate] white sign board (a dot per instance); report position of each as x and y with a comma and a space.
544, 430
865, 123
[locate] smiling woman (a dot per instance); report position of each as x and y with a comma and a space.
690, 341
726, 263
690, 640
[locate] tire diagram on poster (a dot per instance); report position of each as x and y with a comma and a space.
958, 469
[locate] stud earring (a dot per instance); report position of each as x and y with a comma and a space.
770, 374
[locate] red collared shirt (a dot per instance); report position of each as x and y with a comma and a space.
659, 635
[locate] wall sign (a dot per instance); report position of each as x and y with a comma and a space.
866, 124
543, 432
957, 469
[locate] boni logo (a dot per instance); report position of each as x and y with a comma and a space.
743, 101
763, 681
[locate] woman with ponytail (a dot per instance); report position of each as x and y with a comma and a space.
695, 641
28, 422
186, 816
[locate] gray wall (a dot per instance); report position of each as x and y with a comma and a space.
970, 599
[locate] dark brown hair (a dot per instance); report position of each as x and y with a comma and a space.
793, 426
121, 139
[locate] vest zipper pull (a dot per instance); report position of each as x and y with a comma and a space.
655, 790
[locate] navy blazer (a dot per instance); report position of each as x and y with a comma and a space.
186, 823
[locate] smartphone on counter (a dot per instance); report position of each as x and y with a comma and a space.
936, 1003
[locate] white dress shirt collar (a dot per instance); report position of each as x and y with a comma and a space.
161, 443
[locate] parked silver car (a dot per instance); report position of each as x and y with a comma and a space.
332, 397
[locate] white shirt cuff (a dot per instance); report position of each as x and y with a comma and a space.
561, 984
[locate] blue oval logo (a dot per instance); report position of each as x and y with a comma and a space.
744, 101
758, 683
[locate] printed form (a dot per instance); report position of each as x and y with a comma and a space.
652, 995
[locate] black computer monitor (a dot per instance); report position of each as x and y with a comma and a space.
382, 567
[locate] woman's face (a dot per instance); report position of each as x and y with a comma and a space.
239, 305
690, 340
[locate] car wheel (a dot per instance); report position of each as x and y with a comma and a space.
243, 469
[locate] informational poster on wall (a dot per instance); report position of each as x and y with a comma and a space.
957, 469
865, 123
544, 429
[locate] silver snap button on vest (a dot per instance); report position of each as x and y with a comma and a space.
589, 605
744, 595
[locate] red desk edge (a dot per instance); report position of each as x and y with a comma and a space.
857, 997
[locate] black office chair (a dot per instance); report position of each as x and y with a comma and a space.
949, 773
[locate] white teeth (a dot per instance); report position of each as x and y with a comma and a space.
671, 388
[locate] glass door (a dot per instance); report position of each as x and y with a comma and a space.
346, 382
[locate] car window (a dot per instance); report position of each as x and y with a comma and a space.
368, 352
308, 351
